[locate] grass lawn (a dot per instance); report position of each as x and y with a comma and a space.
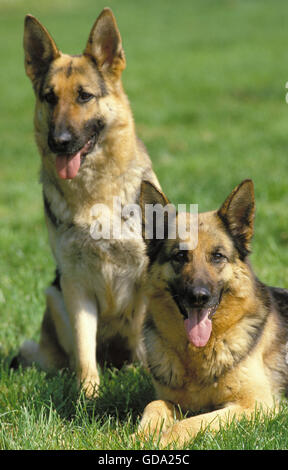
206, 81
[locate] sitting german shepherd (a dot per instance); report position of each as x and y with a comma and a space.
85, 132
215, 336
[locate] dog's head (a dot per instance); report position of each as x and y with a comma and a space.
77, 97
202, 278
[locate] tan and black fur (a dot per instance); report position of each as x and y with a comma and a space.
83, 116
215, 336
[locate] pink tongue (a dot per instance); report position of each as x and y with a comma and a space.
198, 327
68, 166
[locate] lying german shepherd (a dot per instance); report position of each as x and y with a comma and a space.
90, 155
215, 336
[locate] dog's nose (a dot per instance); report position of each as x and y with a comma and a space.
199, 295
62, 138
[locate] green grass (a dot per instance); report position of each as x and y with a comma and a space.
206, 81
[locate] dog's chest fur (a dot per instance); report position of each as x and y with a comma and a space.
110, 269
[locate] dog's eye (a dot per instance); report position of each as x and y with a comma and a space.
84, 96
179, 256
218, 257
50, 97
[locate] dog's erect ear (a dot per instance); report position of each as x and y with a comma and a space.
149, 194
105, 45
238, 213
39, 47
155, 221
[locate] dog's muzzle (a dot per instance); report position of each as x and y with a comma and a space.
71, 151
198, 305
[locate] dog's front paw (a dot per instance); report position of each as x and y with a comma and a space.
142, 439
166, 441
90, 386
175, 437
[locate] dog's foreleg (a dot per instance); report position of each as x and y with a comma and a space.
183, 431
83, 314
157, 417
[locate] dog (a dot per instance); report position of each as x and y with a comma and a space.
90, 155
216, 337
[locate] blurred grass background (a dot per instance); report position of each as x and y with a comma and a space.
206, 81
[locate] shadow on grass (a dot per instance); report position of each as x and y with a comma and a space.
123, 394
